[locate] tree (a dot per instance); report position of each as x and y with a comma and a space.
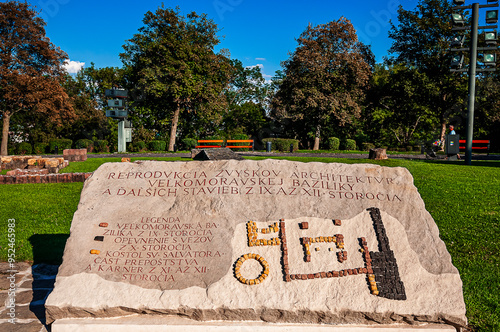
324, 79
171, 67
422, 40
398, 112
31, 70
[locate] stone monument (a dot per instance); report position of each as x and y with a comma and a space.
255, 242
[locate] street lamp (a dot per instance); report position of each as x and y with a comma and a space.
489, 59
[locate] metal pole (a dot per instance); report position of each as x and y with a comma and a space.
122, 145
472, 83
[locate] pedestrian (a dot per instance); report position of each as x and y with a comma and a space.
452, 130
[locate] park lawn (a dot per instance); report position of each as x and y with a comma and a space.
463, 200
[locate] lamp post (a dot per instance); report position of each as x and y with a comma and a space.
490, 37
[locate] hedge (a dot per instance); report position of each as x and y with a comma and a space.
368, 146
40, 148
138, 146
24, 148
101, 145
157, 145
61, 143
189, 143
349, 144
85, 144
282, 144
333, 143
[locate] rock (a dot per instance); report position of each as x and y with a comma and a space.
269, 240
378, 154
216, 154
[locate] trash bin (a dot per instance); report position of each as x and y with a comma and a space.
268, 146
452, 146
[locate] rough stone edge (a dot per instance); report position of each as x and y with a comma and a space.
54, 313
44, 178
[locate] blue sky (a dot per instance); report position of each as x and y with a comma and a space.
259, 33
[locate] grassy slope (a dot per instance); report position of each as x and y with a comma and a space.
464, 201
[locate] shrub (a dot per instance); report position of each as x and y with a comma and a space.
189, 143
333, 143
101, 145
138, 146
368, 146
417, 148
409, 148
157, 145
24, 148
40, 148
282, 144
349, 144
61, 144
85, 144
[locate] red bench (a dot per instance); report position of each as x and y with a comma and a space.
249, 141
211, 141
477, 144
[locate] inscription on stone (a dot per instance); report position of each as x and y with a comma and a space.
265, 240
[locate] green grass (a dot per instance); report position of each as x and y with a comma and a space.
463, 200
91, 164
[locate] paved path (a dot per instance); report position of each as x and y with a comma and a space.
277, 154
32, 286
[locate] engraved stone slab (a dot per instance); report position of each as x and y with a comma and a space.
271, 240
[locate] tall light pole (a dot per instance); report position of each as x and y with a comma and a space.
473, 49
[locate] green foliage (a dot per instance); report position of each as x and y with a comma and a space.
101, 145
189, 143
172, 68
85, 144
348, 144
143, 134
307, 96
137, 146
157, 145
333, 143
61, 143
40, 148
368, 146
282, 144
24, 148
409, 148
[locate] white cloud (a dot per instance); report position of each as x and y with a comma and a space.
260, 65
73, 67
260, 59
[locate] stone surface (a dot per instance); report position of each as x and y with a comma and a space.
224, 240
378, 154
177, 324
215, 154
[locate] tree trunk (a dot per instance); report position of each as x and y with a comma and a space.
173, 128
316, 138
443, 133
5, 134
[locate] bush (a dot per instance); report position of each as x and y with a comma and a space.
138, 146
333, 143
409, 148
101, 145
189, 143
40, 148
85, 144
61, 143
157, 145
282, 144
368, 146
24, 148
417, 148
349, 144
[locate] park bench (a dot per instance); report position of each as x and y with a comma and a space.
213, 143
239, 146
478, 144
216, 143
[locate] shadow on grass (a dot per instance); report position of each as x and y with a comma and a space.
48, 248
